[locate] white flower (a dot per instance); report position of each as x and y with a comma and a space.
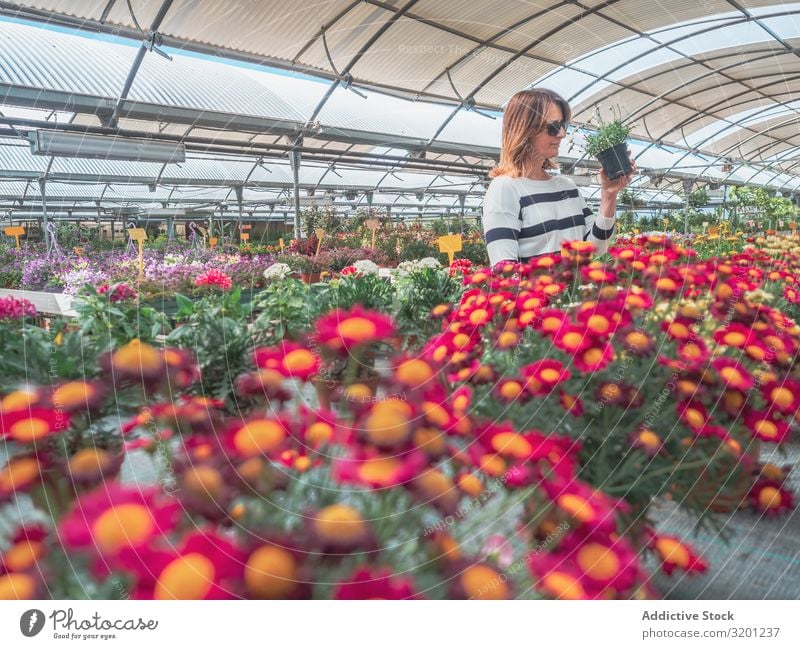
428, 262
277, 271
366, 267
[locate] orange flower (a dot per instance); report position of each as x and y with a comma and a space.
290, 359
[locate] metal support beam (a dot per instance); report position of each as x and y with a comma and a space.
147, 44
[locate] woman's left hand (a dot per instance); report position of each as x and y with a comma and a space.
615, 186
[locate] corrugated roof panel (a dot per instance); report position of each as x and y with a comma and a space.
410, 54
561, 15
479, 19
514, 77
469, 74
344, 38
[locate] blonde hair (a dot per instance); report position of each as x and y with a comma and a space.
524, 117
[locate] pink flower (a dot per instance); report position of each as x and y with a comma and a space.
214, 277
12, 308
118, 293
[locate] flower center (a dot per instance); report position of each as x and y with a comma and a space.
299, 360
673, 551
17, 473
563, 586
259, 436
340, 523
16, 586
28, 430
576, 507
123, 525
187, 577
769, 498
414, 372
270, 572
357, 329
512, 444
598, 561
482, 582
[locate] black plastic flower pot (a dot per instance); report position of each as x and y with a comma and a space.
615, 161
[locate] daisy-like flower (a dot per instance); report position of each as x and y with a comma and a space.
510, 391
30, 425
387, 424
340, 529
342, 330
414, 373
572, 404
93, 465
375, 583
379, 471
135, 362
594, 358
588, 507
638, 343
783, 397
258, 436
734, 335
26, 548
273, 570
214, 278
19, 586
646, 440
766, 426
290, 359
695, 416
771, 497
114, 517
73, 396
18, 474
733, 374
205, 566
479, 581
674, 554
434, 487
12, 308
543, 376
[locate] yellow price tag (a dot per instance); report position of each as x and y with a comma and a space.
244, 236
373, 224
450, 244
320, 234
281, 244
137, 234
213, 242
15, 231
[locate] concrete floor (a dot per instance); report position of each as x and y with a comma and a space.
759, 560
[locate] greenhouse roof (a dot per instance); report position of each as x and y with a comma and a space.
709, 88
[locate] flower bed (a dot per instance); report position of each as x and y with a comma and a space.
516, 453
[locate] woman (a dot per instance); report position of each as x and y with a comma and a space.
528, 212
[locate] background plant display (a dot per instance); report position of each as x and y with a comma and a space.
508, 442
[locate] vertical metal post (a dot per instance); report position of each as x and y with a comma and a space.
239, 193
45, 219
687, 192
295, 158
170, 228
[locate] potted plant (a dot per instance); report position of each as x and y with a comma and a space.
607, 144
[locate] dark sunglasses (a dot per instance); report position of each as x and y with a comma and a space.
554, 128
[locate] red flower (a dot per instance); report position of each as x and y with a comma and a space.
594, 358
342, 330
734, 335
544, 375
771, 497
214, 277
783, 397
674, 554
205, 566
26, 548
17, 475
30, 425
113, 517
348, 270
734, 374
766, 426
77, 395
290, 359
375, 583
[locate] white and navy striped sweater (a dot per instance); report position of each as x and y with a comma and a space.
524, 218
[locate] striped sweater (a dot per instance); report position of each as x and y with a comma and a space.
524, 218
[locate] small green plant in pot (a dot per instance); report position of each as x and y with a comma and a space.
608, 145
